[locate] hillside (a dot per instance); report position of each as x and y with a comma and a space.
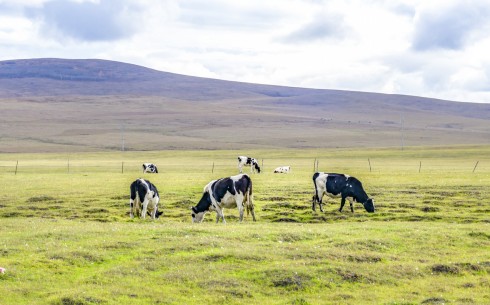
59, 77
87, 105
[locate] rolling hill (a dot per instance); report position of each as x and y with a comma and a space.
92, 105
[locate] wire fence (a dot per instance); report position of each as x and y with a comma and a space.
18, 167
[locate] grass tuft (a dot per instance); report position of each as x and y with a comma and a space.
435, 300
41, 198
439, 268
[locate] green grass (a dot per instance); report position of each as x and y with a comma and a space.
66, 237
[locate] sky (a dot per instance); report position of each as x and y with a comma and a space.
436, 48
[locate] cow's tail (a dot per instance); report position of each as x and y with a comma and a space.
315, 197
250, 202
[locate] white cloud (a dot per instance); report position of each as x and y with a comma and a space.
429, 48
449, 25
86, 20
323, 26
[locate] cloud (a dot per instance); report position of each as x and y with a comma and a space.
322, 27
432, 48
231, 14
88, 21
448, 27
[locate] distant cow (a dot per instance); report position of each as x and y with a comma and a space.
340, 185
254, 165
150, 168
144, 197
282, 169
234, 191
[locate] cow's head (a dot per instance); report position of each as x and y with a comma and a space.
157, 213
202, 207
197, 216
369, 205
257, 168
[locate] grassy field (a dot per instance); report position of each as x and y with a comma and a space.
66, 237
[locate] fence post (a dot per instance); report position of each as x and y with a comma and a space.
68, 165
122, 167
369, 161
475, 166
420, 166
314, 165
16, 165
212, 170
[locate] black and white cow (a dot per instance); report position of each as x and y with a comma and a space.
234, 191
254, 165
150, 168
282, 170
145, 198
343, 186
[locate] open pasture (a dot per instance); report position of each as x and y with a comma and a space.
66, 236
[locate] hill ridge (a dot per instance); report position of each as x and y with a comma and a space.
150, 81
90, 104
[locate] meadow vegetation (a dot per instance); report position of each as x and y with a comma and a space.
66, 237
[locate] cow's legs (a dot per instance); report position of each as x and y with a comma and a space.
342, 204
317, 199
155, 208
219, 214
252, 211
320, 203
240, 211
248, 200
131, 208
239, 203
351, 202
145, 208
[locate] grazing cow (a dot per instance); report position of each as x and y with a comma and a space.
144, 197
340, 185
234, 191
282, 169
254, 165
150, 168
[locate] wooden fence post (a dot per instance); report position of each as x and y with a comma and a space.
16, 166
212, 170
68, 165
475, 166
315, 165
122, 167
369, 161
420, 166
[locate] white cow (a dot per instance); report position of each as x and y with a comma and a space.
283, 169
